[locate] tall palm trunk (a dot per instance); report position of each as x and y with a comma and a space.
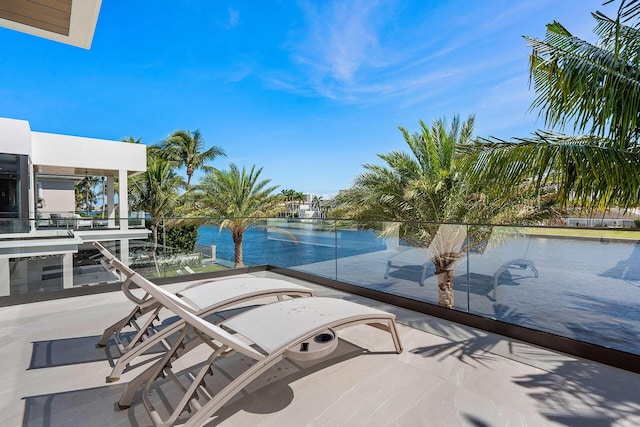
237, 248
445, 265
190, 170
445, 288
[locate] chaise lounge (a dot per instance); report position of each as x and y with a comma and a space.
202, 299
299, 329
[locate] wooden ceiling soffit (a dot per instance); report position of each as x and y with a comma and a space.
48, 15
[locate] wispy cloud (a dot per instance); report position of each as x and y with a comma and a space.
505, 108
362, 52
343, 36
234, 18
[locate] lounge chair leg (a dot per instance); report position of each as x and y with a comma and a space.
386, 272
134, 352
210, 408
425, 267
394, 335
149, 374
108, 332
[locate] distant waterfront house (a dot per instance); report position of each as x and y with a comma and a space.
43, 242
612, 217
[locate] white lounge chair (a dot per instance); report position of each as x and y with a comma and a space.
202, 299
301, 328
513, 264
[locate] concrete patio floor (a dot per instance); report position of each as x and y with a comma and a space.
448, 375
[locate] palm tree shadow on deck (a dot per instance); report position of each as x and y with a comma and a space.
477, 346
577, 393
569, 392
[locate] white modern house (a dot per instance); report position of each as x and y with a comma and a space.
43, 242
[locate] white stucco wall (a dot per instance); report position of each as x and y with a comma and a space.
58, 196
87, 153
15, 136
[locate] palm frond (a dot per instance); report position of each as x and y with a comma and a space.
629, 11
587, 170
595, 87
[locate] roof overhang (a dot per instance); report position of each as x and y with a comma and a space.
37, 246
71, 22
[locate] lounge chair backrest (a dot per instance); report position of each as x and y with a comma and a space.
181, 309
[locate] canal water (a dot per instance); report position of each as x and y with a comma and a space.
288, 247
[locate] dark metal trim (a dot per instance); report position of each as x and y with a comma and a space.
608, 356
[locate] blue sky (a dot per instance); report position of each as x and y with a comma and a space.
308, 90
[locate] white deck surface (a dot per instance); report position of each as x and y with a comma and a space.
448, 375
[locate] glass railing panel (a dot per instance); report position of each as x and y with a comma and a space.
401, 259
87, 269
307, 245
82, 221
62, 258
179, 250
575, 282
214, 239
362, 250
10, 224
579, 283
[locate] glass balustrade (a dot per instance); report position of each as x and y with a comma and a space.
582, 283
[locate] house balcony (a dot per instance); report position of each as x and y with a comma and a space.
544, 330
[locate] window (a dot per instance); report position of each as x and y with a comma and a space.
14, 199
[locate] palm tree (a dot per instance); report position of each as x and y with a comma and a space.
594, 87
240, 198
298, 198
156, 191
426, 186
85, 193
316, 206
131, 140
288, 195
187, 149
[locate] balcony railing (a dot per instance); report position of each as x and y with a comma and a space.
580, 283
75, 221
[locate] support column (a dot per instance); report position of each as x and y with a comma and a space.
34, 193
67, 270
5, 278
111, 206
123, 199
124, 251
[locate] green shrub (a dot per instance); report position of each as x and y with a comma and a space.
182, 237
